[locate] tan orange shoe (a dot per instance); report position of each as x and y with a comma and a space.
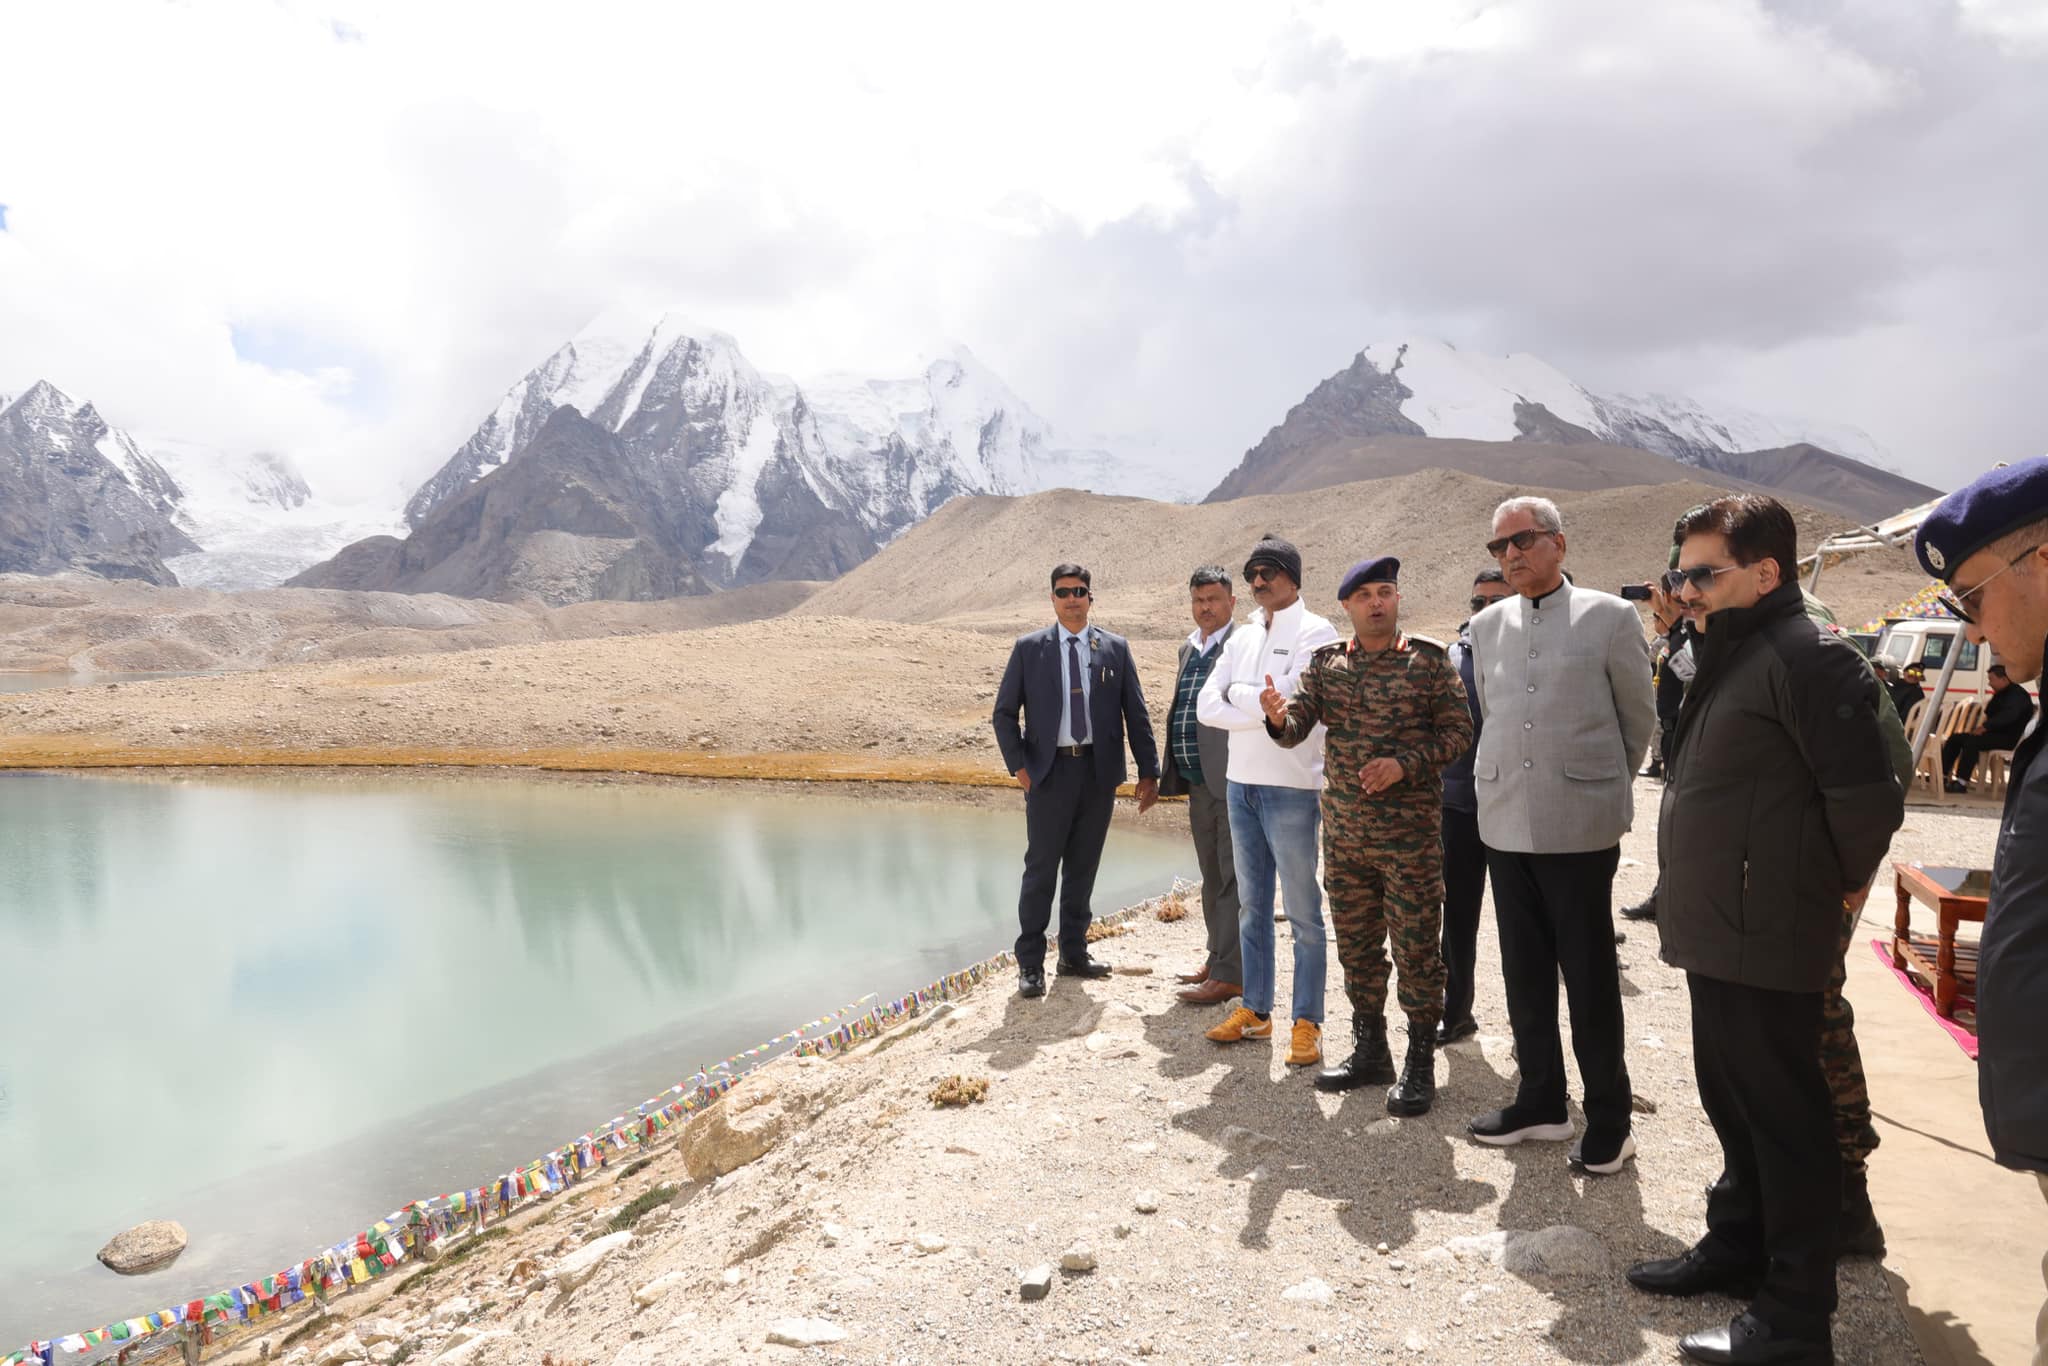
1242, 1024
1305, 1047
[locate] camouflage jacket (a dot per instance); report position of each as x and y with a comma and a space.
1406, 703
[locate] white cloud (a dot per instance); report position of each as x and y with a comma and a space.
1146, 216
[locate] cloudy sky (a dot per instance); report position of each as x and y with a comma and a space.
342, 230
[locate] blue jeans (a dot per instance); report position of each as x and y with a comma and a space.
1273, 831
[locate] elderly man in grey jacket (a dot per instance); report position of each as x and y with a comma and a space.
1563, 680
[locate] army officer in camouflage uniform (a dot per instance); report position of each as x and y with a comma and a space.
1395, 714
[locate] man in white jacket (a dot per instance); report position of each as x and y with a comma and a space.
1274, 797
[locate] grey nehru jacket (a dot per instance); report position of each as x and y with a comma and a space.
1564, 687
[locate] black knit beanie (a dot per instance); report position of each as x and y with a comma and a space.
1279, 554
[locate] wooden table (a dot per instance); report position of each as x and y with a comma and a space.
1954, 895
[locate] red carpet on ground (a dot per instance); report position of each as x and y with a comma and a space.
1965, 1038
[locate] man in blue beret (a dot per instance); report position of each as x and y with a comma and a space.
1395, 714
1989, 543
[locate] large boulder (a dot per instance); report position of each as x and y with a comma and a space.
1560, 1252
144, 1248
740, 1128
579, 1266
343, 1349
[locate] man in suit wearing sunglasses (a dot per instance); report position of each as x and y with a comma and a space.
1077, 691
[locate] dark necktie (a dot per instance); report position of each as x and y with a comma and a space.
1077, 701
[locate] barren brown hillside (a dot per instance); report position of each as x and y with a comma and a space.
980, 563
74, 622
1551, 465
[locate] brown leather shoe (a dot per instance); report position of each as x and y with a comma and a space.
1209, 993
1195, 978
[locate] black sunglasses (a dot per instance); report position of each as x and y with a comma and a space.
1070, 592
1521, 540
1480, 604
1700, 576
1958, 605
1263, 574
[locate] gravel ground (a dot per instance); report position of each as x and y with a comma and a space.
1289, 1226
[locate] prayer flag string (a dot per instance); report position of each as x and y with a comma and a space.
408, 1231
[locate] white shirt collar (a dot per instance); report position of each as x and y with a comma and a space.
1202, 642
1066, 635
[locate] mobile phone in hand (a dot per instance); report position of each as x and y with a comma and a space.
1636, 592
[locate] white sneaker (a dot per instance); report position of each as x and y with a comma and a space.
1620, 1159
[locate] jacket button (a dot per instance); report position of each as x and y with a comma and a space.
1532, 654
1535, 616
1528, 763
1532, 687
1528, 725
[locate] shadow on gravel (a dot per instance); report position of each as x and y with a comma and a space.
1545, 1191
1066, 1011
1276, 1135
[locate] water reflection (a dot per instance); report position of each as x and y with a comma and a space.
273, 1008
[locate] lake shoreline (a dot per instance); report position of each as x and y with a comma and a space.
1168, 817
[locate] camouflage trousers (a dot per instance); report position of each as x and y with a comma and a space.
1390, 894
1842, 1061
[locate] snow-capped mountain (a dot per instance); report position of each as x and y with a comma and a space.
254, 517
77, 493
753, 475
1432, 389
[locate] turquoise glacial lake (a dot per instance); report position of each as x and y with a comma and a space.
276, 1008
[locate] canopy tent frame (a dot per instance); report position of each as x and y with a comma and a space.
1890, 534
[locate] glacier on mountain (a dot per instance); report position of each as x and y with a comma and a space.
256, 520
1473, 396
740, 458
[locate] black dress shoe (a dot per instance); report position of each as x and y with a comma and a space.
1031, 981
1749, 1341
1646, 909
1083, 967
1448, 1033
1693, 1272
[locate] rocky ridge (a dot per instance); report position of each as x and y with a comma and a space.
679, 468
1431, 389
76, 493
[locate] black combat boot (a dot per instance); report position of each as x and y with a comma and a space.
1859, 1234
1369, 1064
1416, 1091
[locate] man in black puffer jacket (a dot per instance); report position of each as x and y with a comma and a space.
1779, 805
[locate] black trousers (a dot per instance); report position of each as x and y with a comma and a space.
1556, 915
1209, 822
1464, 892
1756, 1054
1959, 753
1066, 820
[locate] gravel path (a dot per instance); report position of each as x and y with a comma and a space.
1231, 1213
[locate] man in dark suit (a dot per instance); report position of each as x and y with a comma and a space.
1077, 688
2006, 717
1197, 764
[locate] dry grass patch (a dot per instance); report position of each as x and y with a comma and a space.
957, 1090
